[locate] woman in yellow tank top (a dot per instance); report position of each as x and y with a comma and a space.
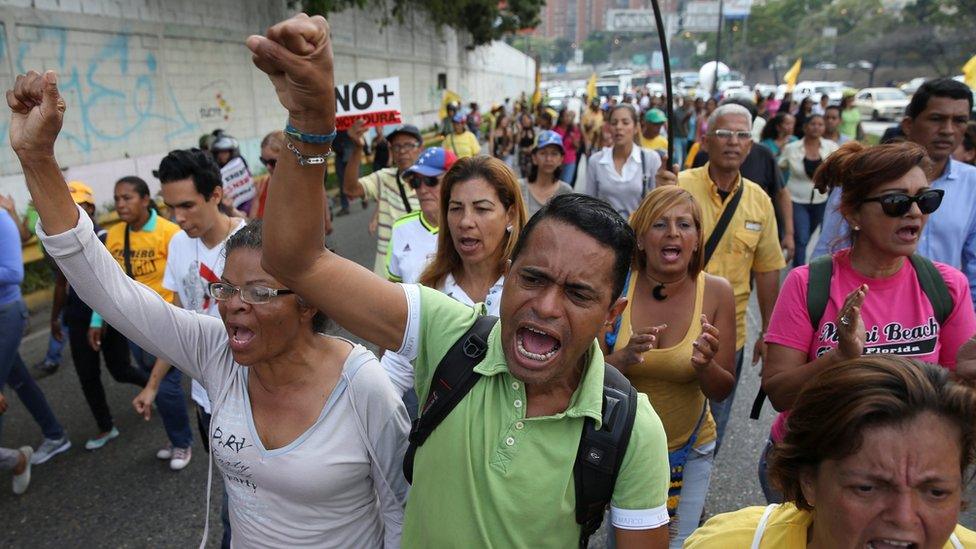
675, 341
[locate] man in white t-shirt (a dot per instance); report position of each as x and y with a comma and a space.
413, 240
192, 190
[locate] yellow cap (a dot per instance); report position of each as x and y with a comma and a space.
81, 193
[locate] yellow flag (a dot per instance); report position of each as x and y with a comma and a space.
449, 97
791, 75
537, 94
969, 72
591, 87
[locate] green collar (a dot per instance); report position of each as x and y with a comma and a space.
150, 225
587, 400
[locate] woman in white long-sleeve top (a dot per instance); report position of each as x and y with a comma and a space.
306, 430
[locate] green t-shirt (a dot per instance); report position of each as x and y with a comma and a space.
849, 119
490, 477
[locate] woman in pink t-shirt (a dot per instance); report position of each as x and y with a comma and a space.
876, 304
572, 137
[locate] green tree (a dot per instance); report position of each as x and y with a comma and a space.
485, 20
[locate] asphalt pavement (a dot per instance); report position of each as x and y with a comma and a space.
122, 496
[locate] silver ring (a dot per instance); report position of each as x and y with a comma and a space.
845, 320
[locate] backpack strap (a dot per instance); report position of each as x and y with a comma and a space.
453, 379
723, 223
601, 452
934, 287
818, 294
818, 288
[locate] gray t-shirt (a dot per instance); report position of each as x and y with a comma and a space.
531, 204
339, 484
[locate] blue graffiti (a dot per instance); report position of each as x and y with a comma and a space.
114, 95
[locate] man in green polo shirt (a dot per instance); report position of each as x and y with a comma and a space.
498, 471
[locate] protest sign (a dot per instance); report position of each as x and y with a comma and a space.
375, 101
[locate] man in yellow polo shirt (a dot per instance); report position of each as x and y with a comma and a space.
749, 248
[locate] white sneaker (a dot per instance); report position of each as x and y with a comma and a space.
22, 481
50, 448
166, 452
181, 458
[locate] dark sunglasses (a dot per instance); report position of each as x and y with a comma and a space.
269, 162
417, 180
898, 204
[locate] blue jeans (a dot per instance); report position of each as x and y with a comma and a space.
772, 494
170, 400
721, 409
567, 173
680, 143
412, 403
13, 317
806, 219
55, 348
694, 489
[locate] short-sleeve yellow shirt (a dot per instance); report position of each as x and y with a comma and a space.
750, 243
463, 145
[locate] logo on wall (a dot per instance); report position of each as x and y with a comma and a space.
221, 110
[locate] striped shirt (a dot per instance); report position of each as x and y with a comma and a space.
383, 187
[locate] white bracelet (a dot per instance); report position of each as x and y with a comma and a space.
307, 160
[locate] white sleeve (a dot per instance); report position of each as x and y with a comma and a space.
410, 347
399, 370
173, 258
386, 427
194, 343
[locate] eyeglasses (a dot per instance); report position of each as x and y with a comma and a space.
269, 162
252, 293
417, 180
726, 135
898, 204
403, 148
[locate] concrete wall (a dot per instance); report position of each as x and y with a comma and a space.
142, 77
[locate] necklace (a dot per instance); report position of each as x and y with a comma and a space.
658, 290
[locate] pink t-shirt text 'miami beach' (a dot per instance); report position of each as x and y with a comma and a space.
898, 316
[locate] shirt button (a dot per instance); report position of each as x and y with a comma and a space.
518, 403
510, 441
519, 425
515, 385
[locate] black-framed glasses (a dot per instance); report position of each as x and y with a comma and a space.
403, 147
726, 135
269, 162
252, 293
416, 180
898, 204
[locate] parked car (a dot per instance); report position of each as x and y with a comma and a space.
912, 85
881, 103
816, 89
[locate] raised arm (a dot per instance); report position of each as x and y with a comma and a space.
136, 311
297, 56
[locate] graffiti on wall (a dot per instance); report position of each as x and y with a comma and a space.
112, 95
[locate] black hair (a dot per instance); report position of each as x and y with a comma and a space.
139, 185
185, 163
811, 117
249, 237
771, 129
833, 107
742, 102
595, 218
939, 87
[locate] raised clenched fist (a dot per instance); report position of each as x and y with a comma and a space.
36, 114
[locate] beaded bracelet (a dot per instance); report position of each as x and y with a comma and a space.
310, 138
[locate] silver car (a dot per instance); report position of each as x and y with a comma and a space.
881, 103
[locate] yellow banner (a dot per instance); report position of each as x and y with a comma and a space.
449, 97
791, 75
591, 87
969, 72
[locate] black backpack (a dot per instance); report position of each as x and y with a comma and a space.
601, 452
818, 295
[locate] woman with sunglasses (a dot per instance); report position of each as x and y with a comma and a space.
271, 147
543, 181
871, 295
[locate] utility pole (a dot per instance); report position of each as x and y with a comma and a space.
718, 45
